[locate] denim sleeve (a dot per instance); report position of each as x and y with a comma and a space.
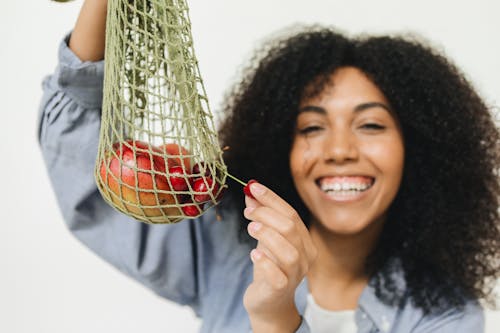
471, 319
161, 257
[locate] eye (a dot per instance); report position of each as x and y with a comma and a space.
309, 130
372, 126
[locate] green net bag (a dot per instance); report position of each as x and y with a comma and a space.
159, 159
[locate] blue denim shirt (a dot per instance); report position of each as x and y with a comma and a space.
199, 263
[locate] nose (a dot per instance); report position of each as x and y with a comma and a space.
340, 147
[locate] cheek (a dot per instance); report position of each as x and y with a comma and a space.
303, 156
388, 156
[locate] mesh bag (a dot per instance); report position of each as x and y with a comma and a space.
159, 159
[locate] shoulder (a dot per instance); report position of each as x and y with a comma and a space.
408, 318
469, 318
405, 316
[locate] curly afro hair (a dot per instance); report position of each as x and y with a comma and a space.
443, 224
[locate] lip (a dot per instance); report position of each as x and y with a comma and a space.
345, 199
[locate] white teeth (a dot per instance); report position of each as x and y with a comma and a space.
341, 187
342, 194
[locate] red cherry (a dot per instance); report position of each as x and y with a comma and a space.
177, 178
246, 189
200, 186
192, 210
198, 167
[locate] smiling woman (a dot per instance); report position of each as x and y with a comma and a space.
375, 161
387, 153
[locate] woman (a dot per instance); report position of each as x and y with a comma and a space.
376, 160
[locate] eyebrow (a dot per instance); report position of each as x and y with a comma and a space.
358, 108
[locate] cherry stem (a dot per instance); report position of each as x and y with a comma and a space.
236, 179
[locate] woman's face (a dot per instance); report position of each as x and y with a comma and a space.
347, 154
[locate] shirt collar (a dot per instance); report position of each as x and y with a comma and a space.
301, 296
370, 307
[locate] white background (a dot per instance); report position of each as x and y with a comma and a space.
48, 281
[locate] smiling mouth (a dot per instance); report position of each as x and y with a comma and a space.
340, 188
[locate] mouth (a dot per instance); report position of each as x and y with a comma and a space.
345, 188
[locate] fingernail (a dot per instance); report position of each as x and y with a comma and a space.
257, 189
255, 254
254, 226
248, 210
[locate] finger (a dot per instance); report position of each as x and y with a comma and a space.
267, 252
289, 229
290, 259
266, 273
296, 232
249, 202
267, 197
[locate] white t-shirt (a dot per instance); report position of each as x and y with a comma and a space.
325, 321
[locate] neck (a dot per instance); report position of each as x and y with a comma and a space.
338, 276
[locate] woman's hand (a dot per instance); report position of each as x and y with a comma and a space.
281, 260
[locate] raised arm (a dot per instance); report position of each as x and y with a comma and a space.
88, 37
68, 132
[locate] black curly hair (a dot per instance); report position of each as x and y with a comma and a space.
443, 224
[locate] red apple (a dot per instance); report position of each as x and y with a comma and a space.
173, 150
134, 177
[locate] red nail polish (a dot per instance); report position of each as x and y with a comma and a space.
246, 189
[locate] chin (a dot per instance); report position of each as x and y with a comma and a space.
344, 228
339, 224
